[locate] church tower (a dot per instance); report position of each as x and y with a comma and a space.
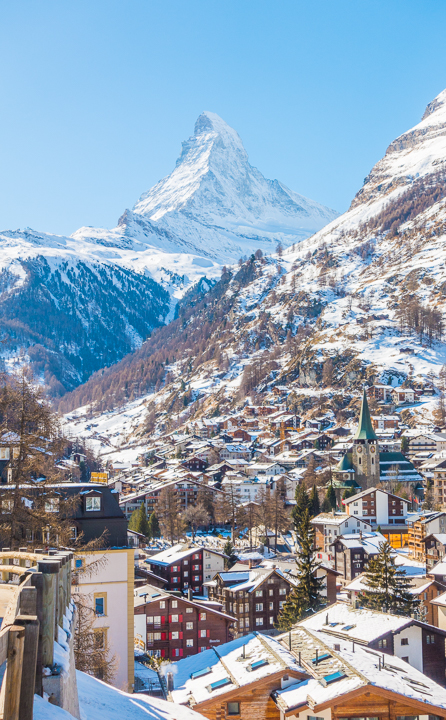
365, 449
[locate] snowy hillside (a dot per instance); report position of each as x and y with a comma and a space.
72, 305
365, 297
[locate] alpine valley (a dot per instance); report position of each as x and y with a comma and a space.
73, 305
363, 299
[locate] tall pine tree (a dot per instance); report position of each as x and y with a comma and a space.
139, 522
302, 504
388, 586
306, 597
154, 526
315, 507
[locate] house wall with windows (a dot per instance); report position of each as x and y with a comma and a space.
108, 587
176, 627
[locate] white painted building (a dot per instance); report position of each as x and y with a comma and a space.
378, 507
109, 590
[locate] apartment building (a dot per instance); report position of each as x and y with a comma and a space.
186, 566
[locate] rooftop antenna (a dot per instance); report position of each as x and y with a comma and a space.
326, 619
317, 656
299, 659
353, 648
289, 638
244, 654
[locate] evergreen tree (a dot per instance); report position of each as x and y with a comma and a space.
306, 597
389, 587
330, 497
229, 551
139, 522
154, 526
315, 506
302, 504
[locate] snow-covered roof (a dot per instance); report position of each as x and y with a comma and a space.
366, 625
362, 494
176, 553
229, 662
357, 667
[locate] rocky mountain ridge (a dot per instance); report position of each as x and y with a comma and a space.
362, 300
74, 305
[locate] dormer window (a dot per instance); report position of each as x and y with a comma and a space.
93, 503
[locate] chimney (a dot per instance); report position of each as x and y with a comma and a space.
360, 536
189, 593
169, 682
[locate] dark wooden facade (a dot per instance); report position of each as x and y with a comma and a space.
177, 627
254, 609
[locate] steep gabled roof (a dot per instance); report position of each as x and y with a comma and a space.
365, 429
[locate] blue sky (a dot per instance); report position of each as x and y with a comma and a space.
96, 97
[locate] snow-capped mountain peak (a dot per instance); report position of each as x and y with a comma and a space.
215, 203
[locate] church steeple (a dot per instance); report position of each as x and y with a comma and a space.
365, 456
365, 429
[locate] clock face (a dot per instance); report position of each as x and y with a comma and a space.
373, 449
359, 449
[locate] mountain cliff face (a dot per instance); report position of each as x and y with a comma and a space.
364, 298
215, 205
73, 305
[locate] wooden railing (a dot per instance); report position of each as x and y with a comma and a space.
35, 591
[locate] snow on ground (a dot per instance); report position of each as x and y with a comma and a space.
99, 701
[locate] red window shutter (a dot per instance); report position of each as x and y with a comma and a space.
208, 633
181, 651
163, 619
163, 636
181, 635
163, 653
170, 618
170, 636
181, 618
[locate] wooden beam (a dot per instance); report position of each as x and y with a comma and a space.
13, 676
31, 625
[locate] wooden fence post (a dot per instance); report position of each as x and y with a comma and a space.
13, 679
49, 569
37, 581
31, 625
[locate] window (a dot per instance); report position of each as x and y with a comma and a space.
259, 621
189, 642
233, 708
314, 717
157, 636
100, 603
259, 593
189, 626
92, 504
176, 579
259, 607
240, 608
382, 643
202, 616
162, 604
271, 606
405, 658
196, 567
175, 635
149, 619
189, 610
202, 633
271, 619
4, 454
247, 622
100, 638
78, 563
202, 649
281, 604
157, 619
430, 639
186, 574
404, 641
185, 562
52, 506
196, 578
282, 591
174, 618
174, 603
270, 592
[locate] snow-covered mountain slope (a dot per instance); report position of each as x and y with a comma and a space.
362, 299
215, 205
72, 305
